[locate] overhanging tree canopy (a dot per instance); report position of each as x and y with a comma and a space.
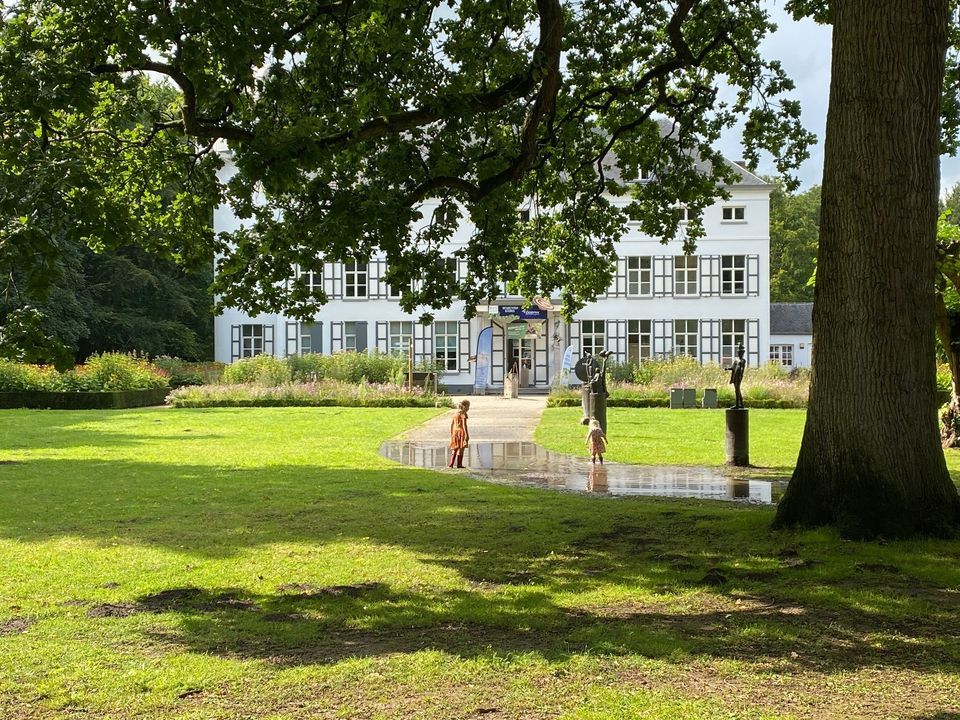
343, 116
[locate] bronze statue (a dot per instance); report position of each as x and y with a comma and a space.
736, 375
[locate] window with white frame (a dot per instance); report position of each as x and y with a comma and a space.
685, 337
450, 270
251, 340
782, 355
685, 275
683, 214
592, 336
734, 213
355, 280
732, 334
350, 336
445, 342
639, 344
313, 279
646, 174
400, 335
639, 275
733, 274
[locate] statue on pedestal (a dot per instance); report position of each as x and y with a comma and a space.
736, 376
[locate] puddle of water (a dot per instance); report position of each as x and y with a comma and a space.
527, 463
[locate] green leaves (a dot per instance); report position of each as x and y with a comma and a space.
343, 117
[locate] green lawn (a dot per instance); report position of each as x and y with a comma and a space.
267, 563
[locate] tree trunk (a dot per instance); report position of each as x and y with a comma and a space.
950, 419
871, 462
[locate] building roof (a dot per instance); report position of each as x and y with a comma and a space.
791, 318
745, 178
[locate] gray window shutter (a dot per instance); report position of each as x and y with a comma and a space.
617, 339
336, 337
709, 341
753, 275
662, 338
709, 275
463, 343
662, 275
381, 340
316, 337
293, 340
752, 351
361, 326
234, 342
268, 344
422, 342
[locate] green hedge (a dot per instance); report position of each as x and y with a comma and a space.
116, 399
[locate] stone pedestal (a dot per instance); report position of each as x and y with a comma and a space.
598, 407
738, 437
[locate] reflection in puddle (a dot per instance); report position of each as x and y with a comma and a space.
527, 463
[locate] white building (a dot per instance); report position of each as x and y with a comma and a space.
791, 334
660, 303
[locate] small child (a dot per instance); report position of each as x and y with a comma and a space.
459, 435
596, 441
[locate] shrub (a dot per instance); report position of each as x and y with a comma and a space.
15, 377
109, 371
265, 370
348, 366
182, 372
325, 393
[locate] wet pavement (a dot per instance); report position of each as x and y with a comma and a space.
526, 463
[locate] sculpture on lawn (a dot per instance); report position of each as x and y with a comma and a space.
736, 376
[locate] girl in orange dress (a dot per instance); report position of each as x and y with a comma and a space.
459, 435
596, 441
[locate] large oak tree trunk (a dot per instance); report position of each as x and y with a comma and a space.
871, 462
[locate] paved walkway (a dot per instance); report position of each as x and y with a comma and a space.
492, 418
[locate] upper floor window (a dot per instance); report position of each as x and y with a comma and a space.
450, 269
445, 340
646, 174
733, 274
313, 279
683, 214
355, 280
685, 275
639, 275
592, 336
734, 213
525, 215
400, 336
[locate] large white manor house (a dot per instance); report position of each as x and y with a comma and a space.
660, 303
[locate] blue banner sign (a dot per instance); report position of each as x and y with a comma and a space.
523, 313
482, 369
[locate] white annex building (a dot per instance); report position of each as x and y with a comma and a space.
660, 303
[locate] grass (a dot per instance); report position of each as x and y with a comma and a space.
269, 563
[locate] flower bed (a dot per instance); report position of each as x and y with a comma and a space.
767, 387
327, 393
109, 372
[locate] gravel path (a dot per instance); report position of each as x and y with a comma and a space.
492, 418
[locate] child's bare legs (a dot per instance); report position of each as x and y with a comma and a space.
460, 457
453, 457
593, 459
600, 455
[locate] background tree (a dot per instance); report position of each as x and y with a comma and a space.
794, 231
870, 461
948, 313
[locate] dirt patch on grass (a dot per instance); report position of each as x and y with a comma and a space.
191, 598
350, 591
16, 626
114, 610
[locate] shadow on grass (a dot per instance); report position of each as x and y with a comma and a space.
710, 579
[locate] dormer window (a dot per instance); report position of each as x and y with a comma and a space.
646, 174
683, 214
734, 213
525, 215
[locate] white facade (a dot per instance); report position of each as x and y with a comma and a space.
791, 334
659, 303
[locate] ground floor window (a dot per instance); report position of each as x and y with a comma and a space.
639, 345
445, 339
782, 355
685, 337
592, 336
350, 336
400, 336
251, 340
732, 334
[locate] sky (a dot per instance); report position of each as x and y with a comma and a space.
804, 50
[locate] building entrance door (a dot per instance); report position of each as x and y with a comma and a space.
519, 356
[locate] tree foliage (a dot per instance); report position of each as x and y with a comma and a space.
794, 232
343, 116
